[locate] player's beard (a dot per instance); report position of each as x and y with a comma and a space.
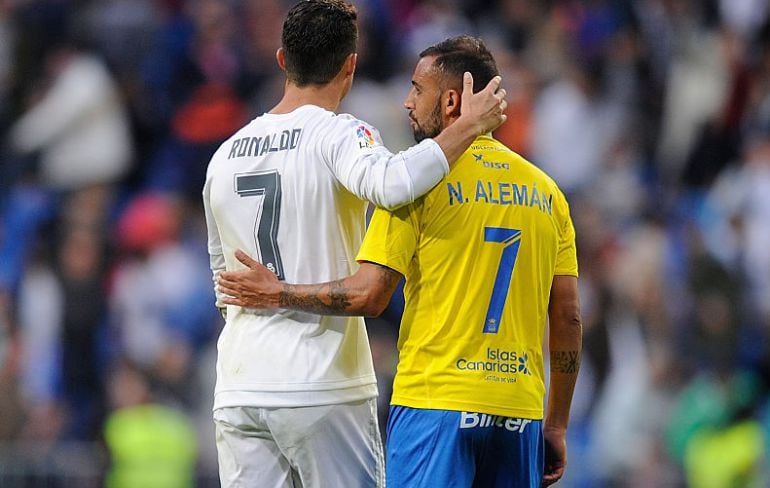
430, 127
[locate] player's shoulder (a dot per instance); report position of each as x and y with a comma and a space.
536, 170
349, 120
329, 126
522, 164
326, 118
221, 151
350, 127
493, 154
545, 183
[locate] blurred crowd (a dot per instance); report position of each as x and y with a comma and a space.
652, 115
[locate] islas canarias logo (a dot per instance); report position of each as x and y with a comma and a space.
365, 137
497, 365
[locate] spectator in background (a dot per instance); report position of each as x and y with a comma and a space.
574, 125
76, 134
736, 223
199, 96
72, 145
62, 333
159, 305
7, 44
150, 445
696, 89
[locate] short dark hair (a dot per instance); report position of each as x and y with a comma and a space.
457, 55
317, 37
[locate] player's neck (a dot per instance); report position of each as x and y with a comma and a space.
449, 120
326, 96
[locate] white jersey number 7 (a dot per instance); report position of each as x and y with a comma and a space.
267, 185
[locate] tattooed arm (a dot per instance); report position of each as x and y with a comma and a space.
366, 292
565, 339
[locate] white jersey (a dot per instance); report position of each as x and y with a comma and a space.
291, 190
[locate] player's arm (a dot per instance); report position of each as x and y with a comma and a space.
216, 256
366, 292
565, 342
392, 180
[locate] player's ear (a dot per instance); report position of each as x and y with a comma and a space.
350, 64
281, 59
452, 103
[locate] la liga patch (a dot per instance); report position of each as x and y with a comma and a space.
365, 137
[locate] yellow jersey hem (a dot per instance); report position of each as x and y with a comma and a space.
533, 414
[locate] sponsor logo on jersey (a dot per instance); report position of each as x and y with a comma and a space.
499, 365
470, 420
479, 158
365, 137
487, 147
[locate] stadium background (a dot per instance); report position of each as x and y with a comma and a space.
652, 115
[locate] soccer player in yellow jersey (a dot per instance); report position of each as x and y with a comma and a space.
489, 259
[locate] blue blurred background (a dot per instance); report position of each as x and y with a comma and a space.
652, 115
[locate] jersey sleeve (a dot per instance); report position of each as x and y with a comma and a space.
566, 256
391, 239
370, 171
216, 255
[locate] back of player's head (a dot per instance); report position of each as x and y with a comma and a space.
317, 37
457, 55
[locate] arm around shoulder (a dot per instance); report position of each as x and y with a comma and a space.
366, 168
366, 292
392, 180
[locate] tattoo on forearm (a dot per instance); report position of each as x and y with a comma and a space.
566, 362
290, 297
339, 297
388, 277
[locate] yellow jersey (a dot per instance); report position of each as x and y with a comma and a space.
479, 253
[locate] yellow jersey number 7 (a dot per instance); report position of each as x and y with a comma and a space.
510, 239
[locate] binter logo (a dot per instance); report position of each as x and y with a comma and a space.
479, 158
470, 420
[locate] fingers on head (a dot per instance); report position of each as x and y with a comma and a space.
494, 83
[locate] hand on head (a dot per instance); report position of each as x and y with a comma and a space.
487, 106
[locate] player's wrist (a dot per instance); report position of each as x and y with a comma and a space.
554, 427
469, 126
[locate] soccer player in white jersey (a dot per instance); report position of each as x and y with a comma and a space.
295, 395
